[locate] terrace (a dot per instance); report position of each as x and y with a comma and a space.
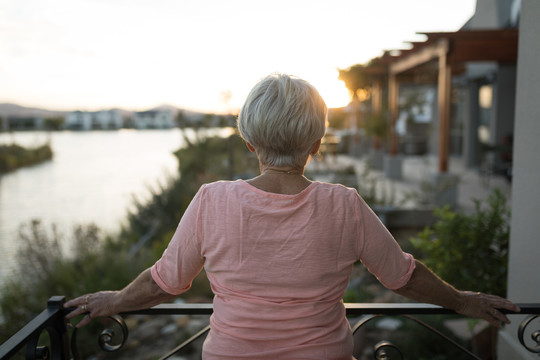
525, 331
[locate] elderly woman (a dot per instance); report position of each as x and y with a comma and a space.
278, 249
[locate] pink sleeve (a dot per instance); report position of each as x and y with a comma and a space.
182, 260
380, 252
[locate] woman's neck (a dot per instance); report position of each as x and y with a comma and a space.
283, 170
281, 180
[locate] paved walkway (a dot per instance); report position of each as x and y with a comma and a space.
413, 188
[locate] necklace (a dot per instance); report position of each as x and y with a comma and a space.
283, 172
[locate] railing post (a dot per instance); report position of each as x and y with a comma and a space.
53, 321
55, 326
57, 329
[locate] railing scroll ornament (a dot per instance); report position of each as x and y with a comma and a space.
385, 350
381, 349
33, 351
535, 335
108, 339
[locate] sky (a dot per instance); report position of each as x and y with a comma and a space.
202, 55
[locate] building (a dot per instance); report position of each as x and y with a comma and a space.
153, 119
12, 123
487, 94
96, 120
524, 249
487, 85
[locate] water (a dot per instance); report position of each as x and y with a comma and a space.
92, 178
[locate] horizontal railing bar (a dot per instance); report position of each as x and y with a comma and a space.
351, 308
175, 309
420, 309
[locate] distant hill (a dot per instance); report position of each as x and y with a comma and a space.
8, 109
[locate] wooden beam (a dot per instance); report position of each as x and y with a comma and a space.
422, 56
483, 50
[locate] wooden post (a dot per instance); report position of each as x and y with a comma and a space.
376, 97
393, 90
444, 89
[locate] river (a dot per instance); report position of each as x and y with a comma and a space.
92, 178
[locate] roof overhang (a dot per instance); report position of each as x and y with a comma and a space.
458, 47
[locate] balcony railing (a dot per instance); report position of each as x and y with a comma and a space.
63, 346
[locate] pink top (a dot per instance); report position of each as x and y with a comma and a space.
279, 266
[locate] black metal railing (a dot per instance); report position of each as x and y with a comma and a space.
62, 347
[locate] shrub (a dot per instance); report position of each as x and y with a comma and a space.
15, 156
46, 267
469, 251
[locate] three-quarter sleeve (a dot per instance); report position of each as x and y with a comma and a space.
380, 253
182, 260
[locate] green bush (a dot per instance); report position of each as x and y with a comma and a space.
15, 156
47, 267
469, 251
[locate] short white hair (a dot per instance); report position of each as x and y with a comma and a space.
283, 117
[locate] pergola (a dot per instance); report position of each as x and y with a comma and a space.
442, 55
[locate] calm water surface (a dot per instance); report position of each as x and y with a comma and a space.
92, 178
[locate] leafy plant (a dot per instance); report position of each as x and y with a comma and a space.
47, 267
469, 251
14, 156
377, 125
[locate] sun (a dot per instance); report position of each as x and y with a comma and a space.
333, 91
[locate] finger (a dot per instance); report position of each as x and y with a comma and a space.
510, 306
500, 316
502, 303
75, 302
490, 317
85, 320
78, 311
70, 303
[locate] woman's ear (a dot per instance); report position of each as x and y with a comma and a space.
250, 147
316, 147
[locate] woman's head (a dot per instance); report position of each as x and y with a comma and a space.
282, 118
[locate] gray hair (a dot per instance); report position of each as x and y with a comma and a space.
283, 117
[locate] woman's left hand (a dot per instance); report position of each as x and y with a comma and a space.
487, 307
92, 306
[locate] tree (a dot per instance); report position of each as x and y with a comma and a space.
364, 83
181, 119
53, 123
355, 78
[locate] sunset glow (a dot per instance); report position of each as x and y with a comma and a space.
94, 54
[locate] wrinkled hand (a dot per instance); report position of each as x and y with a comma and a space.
93, 305
479, 305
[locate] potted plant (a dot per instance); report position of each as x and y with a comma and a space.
377, 127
